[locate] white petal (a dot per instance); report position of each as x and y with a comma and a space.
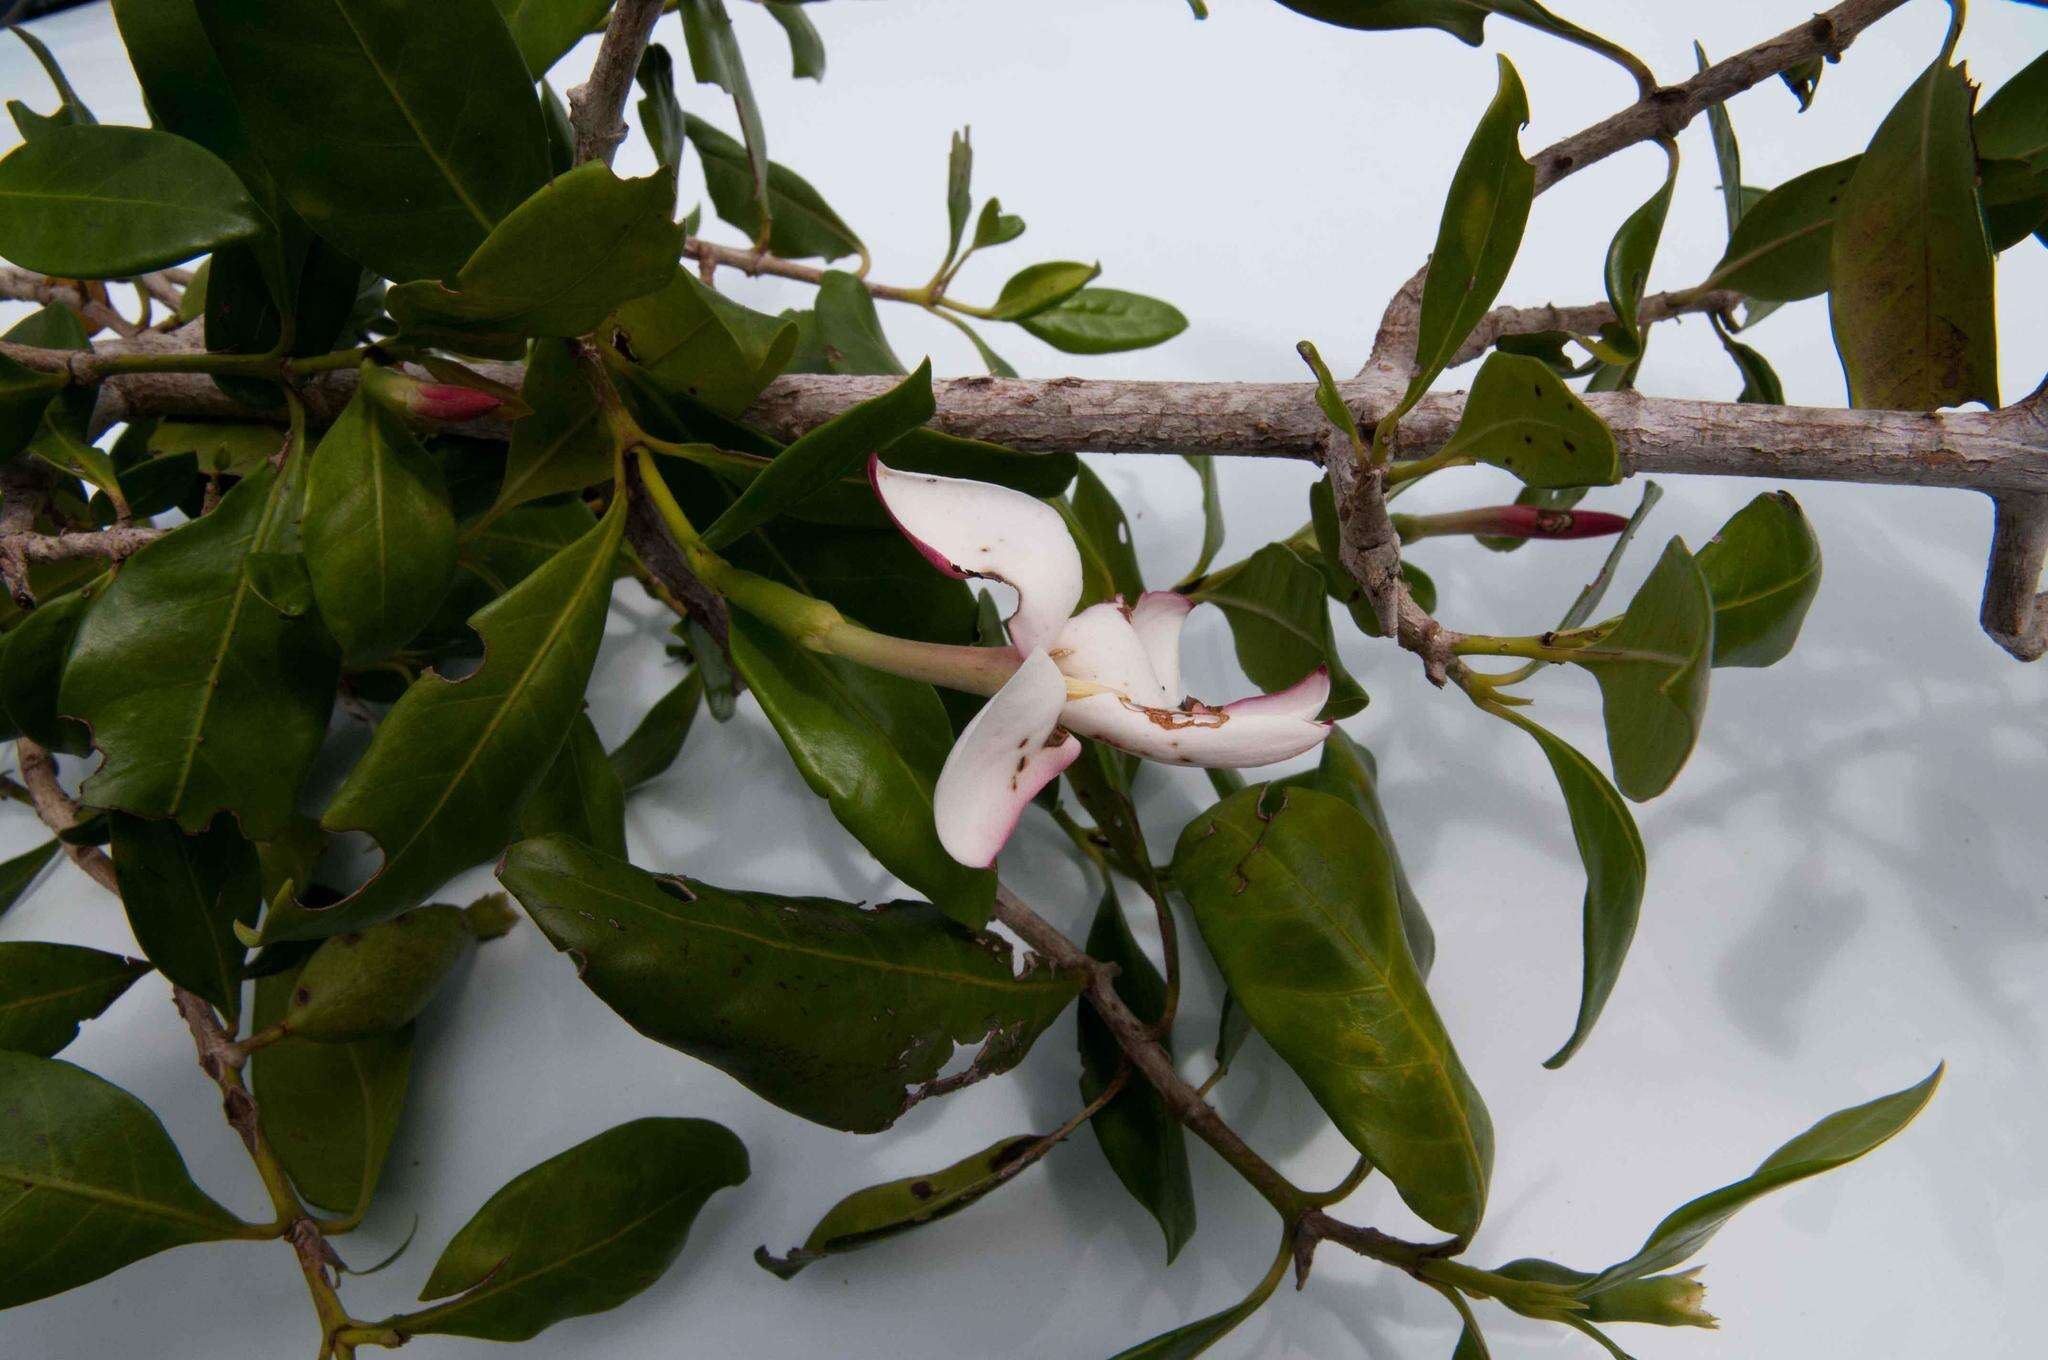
976, 529
1157, 617
1099, 645
1001, 761
1302, 699
1209, 737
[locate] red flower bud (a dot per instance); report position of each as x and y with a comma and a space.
447, 403
1532, 521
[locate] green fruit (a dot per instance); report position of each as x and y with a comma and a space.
374, 981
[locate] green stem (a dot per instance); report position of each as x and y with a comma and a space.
1401, 473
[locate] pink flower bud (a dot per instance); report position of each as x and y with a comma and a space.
446, 403
1532, 521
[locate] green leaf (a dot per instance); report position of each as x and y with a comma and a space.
1213, 527
2013, 124
1762, 570
657, 740
1629, 257
94, 202
379, 534
1102, 533
1760, 385
566, 444
806, 48
1779, 252
872, 746
19, 874
1294, 894
1190, 1340
1348, 771
32, 659
1484, 214
661, 114
48, 990
879, 1212
559, 263
2015, 198
1840, 1138
554, 117
1464, 20
1616, 870
1106, 321
401, 139
1279, 618
580, 1233
1523, 419
329, 1110
803, 225
238, 695
1039, 287
62, 440
716, 59
71, 109
849, 330
25, 394
1653, 670
995, 227
441, 786
184, 895
959, 196
1727, 153
184, 86
545, 30
580, 795
695, 341
1142, 1141
1911, 268
822, 455
73, 1149
831, 1011
378, 980
1589, 597
1329, 400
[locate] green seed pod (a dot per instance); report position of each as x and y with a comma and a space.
377, 980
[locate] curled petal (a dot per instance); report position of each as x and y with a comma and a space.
1005, 756
1100, 645
1157, 618
1214, 738
1302, 699
976, 529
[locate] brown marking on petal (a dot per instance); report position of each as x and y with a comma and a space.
1174, 719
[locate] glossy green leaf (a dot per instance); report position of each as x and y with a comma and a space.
1910, 263
1484, 214
559, 263
581, 795
1102, 533
1840, 1138
716, 59
803, 225
379, 534
872, 746
1294, 894
879, 1212
695, 341
1142, 1141
565, 445
1760, 384
76, 1149
2013, 124
1611, 849
70, 108
1279, 618
2015, 196
32, 659
1653, 670
1629, 257
1522, 418
1348, 771
653, 745
441, 786
62, 440
995, 227
1213, 527
834, 1012
849, 330
1763, 570
239, 694
554, 117
1106, 321
580, 1233
823, 455
1780, 249
1464, 20
184, 895
661, 113
48, 990
1727, 152
402, 141
183, 84
97, 202
235, 448
1192, 1339
19, 873
1037, 288
329, 1110
25, 394
545, 30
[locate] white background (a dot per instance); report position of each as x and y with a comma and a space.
1846, 885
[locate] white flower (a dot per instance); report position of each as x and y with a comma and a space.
1110, 672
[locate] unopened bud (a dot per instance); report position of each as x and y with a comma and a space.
1662, 1300
1511, 521
447, 403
